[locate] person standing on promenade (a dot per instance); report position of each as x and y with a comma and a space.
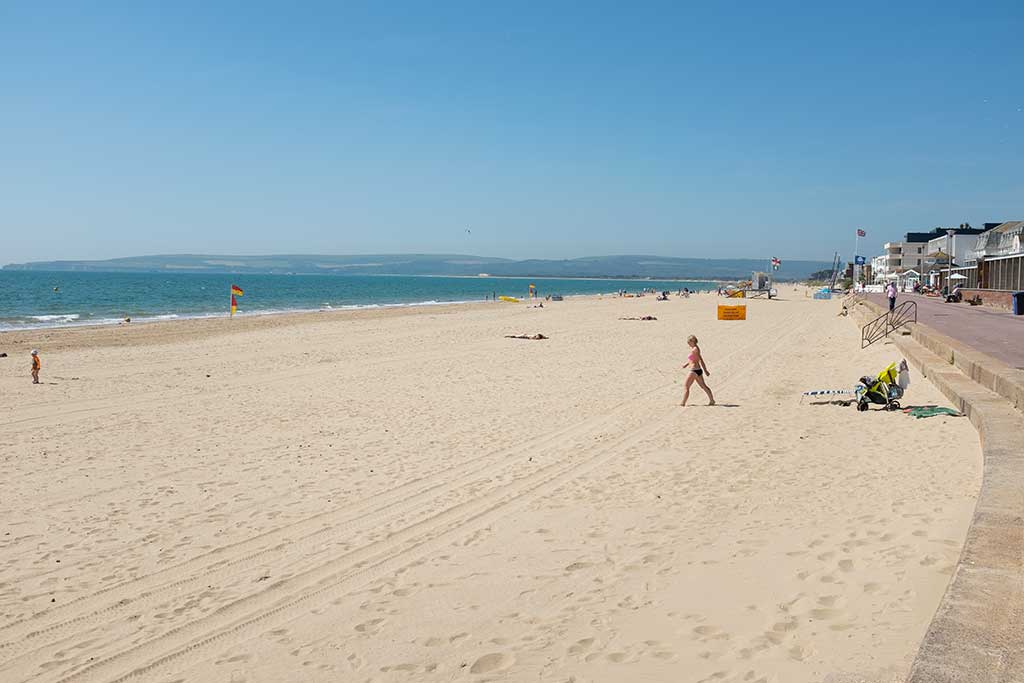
36, 365
891, 292
695, 362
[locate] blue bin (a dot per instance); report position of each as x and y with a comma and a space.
1018, 303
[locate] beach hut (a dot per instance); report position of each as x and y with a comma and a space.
907, 280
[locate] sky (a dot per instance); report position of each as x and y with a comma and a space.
522, 129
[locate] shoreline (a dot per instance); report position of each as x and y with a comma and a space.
158, 330
48, 319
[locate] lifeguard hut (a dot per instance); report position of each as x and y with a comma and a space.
760, 285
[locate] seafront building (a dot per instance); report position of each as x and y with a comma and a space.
900, 257
879, 268
919, 253
986, 261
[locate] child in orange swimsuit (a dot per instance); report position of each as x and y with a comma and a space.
36, 365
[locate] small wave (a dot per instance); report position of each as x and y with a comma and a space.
61, 318
74, 319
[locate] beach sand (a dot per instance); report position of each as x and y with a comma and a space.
407, 495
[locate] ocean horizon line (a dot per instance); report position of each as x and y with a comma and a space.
627, 267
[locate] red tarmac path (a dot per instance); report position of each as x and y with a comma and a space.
993, 332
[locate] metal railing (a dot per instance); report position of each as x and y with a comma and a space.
890, 321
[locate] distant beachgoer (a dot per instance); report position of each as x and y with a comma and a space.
698, 369
36, 366
891, 293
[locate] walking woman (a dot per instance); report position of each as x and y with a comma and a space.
891, 292
698, 370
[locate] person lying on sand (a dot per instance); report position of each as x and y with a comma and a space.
646, 317
525, 336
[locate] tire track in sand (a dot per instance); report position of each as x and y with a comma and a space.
378, 555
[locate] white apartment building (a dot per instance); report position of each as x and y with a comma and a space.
879, 267
960, 246
1005, 239
901, 256
923, 254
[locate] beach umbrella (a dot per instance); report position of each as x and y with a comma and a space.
957, 276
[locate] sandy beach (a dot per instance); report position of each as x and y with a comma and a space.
407, 495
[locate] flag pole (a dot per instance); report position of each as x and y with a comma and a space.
856, 248
856, 266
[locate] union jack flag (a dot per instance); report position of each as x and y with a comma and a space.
861, 233
776, 263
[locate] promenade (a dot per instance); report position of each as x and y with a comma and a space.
998, 334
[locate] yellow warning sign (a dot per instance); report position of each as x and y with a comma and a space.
738, 294
732, 312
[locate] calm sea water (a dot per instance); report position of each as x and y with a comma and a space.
28, 298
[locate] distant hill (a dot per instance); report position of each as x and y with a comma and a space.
666, 267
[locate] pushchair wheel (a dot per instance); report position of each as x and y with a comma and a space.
862, 406
894, 405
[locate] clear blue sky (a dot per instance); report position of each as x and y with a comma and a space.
550, 129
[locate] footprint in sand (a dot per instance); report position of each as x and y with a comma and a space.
369, 626
581, 646
495, 661
787, 625
800, 652
825, 613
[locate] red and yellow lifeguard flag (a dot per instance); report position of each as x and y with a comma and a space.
235, 291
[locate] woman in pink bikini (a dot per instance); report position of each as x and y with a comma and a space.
695, 362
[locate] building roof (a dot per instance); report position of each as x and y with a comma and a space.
941, 232
1009, 226
1005, 237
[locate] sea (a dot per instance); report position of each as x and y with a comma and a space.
39, 299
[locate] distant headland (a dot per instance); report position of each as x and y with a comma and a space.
624, 267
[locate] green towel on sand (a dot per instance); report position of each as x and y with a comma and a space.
927, 411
